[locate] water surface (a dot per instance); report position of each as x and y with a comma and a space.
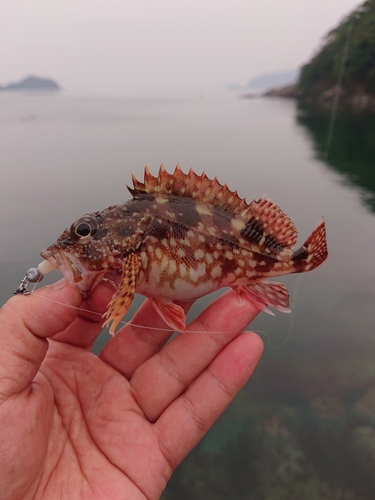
303, 427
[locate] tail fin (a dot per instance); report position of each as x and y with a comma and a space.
313, 252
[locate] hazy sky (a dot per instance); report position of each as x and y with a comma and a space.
125, 46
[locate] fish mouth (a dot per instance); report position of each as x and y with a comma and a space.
74, 270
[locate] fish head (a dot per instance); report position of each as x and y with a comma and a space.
94, 248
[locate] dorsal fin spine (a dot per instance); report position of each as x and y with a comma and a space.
269, 218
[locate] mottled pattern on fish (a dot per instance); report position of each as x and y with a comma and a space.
180, 237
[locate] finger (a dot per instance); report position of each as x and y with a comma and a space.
165, 376
25, 323
88, 323
137, 342
188, 418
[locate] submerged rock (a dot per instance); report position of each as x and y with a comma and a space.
366, 405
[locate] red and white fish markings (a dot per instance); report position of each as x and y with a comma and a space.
183, 236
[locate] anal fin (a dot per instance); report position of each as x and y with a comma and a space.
123, 297
266, 293
172, 314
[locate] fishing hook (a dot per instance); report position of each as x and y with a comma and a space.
33, 275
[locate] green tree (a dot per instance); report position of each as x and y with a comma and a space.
355, 35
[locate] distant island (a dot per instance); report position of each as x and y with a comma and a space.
32, 83
267, 81
343, 68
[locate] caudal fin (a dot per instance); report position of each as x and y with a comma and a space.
313, 252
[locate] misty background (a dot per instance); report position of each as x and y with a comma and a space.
147, 47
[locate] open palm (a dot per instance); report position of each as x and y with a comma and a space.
75, 425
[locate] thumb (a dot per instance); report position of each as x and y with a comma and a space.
25, 323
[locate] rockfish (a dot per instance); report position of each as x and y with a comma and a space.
180, 237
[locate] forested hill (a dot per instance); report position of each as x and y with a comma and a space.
349, 49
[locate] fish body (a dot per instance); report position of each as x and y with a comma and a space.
180, 237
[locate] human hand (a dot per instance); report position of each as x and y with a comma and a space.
74, 425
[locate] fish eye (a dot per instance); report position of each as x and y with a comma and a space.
83, 230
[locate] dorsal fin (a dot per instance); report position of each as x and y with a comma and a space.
191, 185
267, 219
263, 216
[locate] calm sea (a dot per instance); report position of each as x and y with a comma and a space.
304, 426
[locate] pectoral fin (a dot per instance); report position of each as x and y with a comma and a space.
266, 293
123, 297
172, 314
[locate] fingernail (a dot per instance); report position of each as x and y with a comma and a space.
59, 284
109, 284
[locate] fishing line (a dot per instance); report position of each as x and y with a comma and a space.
127, 323
291, 317
337, 92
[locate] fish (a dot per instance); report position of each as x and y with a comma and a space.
180, 237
